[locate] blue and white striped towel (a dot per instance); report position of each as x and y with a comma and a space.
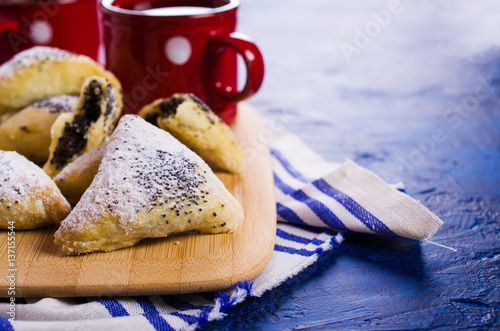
309, 191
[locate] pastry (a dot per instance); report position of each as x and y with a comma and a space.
148, 185
28, 130
41, 72
93, 118
77, 176
195, 125
28, 197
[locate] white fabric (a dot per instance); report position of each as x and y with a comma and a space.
309, 191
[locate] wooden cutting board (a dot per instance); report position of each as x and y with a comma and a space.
177, 264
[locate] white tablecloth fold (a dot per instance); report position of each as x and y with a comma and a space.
317, 204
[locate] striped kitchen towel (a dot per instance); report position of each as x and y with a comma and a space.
317, 204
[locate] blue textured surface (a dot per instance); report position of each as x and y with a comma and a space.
419, 103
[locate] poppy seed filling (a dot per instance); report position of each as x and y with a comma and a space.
111, 98
74, 137
169, 106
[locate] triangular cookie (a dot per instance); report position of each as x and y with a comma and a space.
148, 185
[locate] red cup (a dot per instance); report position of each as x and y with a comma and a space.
160, 47
66, 24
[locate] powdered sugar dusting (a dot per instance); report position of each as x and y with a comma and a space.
17, 176
56, 104
31, 57
157, 174
148, 185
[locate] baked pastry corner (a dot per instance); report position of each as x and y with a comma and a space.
41, 72
192, 122
93, 118
28, 131
28, 197
148, 185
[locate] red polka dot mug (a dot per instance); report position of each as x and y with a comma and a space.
160, 47
72, 25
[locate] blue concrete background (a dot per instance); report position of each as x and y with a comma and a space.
418, 101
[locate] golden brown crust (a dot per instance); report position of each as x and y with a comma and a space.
28, 130
28, 197
149, 185
77, 176
41, 72
195, 125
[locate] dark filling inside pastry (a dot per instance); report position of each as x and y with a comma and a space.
169, 106
152, 118
74, 138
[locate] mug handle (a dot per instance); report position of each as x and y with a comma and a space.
9, 25
254, 64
